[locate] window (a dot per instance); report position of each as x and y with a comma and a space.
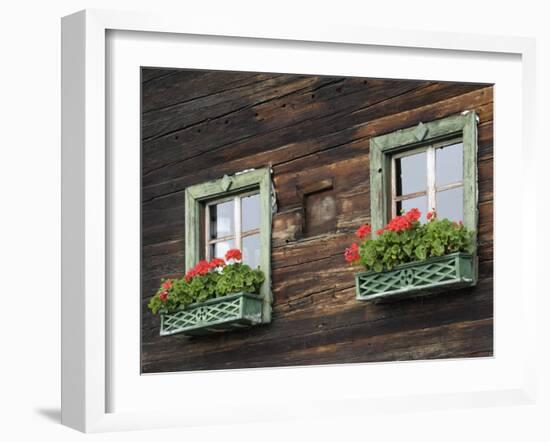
429, 178
234, 222
232, 212
430, 166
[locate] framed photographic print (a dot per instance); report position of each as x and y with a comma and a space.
250, 213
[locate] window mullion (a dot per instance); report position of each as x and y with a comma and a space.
393, 188
430, 155
237, 208
207, 232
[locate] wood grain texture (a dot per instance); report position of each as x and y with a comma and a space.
199, 125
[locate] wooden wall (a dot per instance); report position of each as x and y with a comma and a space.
200, 125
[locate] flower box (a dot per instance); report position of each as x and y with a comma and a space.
215, 315
416, 278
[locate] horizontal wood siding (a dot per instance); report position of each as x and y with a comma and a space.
200, 125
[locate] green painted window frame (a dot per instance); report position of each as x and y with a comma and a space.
241, 182
383, 147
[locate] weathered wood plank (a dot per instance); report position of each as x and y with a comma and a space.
148, 74
220, 104
249, 122
228, 161
350, 343
185, 85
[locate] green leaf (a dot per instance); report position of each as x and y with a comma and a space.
420, 252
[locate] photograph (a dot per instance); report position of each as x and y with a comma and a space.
294, 219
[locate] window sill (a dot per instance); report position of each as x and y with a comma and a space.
416, 279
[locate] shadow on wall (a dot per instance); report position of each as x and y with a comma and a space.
51, 414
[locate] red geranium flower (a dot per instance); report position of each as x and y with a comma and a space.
216, 262
167, 284
363, 231
200, 269
399, 223
190, 275
403, 222
380, 231
352, 253
234, 254
163, 296
413, 215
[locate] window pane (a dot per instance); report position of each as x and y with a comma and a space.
448, 164
250, 208
221, 219
449, 204
410, 172
420, 203
219, 249
251, 250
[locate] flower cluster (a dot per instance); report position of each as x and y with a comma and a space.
203, 266
351, 254
200, 269
405, 239
363, 231
216, 263
208, 279
402, 222
234, 254
165, 287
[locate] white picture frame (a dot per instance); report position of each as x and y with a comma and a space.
87, 355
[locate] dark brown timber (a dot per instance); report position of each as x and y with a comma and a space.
314, 131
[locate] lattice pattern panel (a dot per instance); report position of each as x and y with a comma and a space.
446, 271
221, 314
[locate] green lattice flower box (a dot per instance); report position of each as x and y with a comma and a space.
417, 278
215, 315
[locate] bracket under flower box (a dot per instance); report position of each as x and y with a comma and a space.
417, 278
222, 314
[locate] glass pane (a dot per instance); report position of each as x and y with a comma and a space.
448, 164
222, 219
250, 208
420, 203
251, 250
219, 249
410, 172
449, 204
